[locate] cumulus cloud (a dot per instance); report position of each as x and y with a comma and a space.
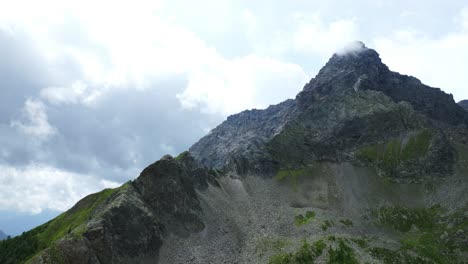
438, 61
315, 36
230, 86
77, 92
354, 47
94, 104
38, 187
34, 121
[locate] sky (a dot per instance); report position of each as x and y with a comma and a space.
94, 91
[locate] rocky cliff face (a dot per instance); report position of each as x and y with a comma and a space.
244, 136
364, 166
363, 70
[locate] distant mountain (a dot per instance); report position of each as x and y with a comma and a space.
464, 104
2, 235
365, 165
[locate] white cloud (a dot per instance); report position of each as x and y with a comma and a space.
39, 187
230, 86
34, 121
313, 35
351, 48
114, 52
78, 92
438, 61
114, 46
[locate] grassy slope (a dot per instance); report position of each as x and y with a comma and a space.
391, 154
72, 222
425, 235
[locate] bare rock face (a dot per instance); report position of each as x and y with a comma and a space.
167, 187
364, 70
354, 101
243, 136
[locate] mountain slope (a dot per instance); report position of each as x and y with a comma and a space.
364, 165
247, 131
345, 82
125, 224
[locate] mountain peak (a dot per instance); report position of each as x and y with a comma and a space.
353, 57
353, 67
359, 68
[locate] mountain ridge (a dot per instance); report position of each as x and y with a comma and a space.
360, 70
366, 164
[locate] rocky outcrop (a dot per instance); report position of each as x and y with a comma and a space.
162, 201
242, 137
464, 104
364, 70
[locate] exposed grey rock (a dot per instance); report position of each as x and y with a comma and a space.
342, 71
243, 135
361, 80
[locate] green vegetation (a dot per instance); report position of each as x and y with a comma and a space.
417, 146
339, 252
21, 248
292, 175
388, 256
439, 237
265, 244
361, 242
326, 224
402, 218
343, 254
182, 155
307, 253
56, 256
391, 154
346, 222
300, 220
425, 245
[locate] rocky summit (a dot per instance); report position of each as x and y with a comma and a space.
365, 165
